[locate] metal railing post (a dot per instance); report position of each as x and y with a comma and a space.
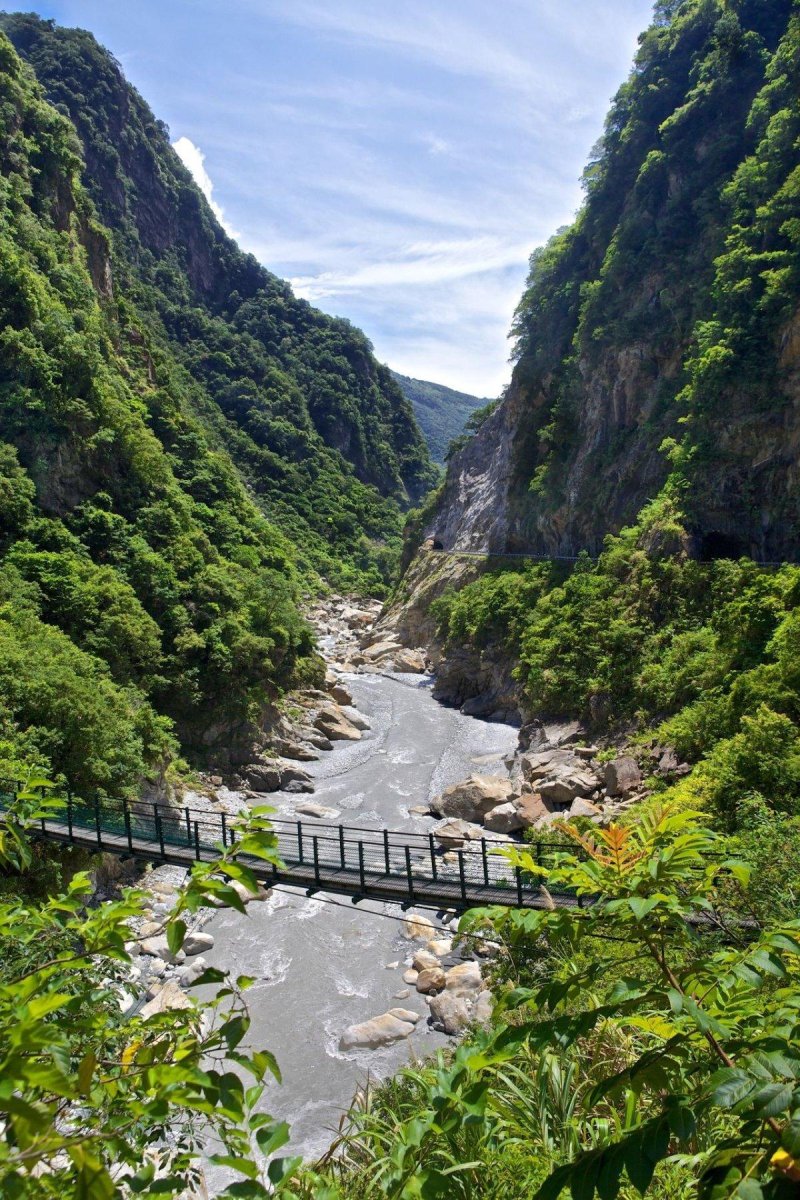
97, 824
159, 829
315, 844
299, 841
485, 862
342, 855
188, 826
409, 876
361, 865
197, 840
69, 815
519, 885
386, 855
432, 848
225, 829
461, 876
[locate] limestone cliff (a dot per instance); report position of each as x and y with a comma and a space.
658, 336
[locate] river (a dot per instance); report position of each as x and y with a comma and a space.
321, 963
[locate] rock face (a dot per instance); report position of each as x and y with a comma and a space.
377, 1032
472, 799
621, 776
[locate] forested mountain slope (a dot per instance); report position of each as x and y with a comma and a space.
442, 412
140, 582
659, 335
319, 429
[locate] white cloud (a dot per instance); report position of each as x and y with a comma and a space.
420, 263
194, 160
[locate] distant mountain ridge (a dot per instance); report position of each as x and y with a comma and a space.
441, 412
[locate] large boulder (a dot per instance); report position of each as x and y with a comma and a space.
383, 649
451, 835
418, 928
503, 819
340, 694
584, 808
294, 779
263, 777
449, 1013
320, 811
464, 980
412, 661
472, 799
531, 808
170, 996
431, 980
332, 722
622, 775
377, 1032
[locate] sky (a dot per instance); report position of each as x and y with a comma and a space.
397, 160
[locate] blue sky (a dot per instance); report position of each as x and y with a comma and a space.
397, 160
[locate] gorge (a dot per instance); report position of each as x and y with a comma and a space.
233, 577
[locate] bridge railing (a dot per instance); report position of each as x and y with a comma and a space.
322, 851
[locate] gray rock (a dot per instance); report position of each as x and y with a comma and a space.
295, 779
261, 777
503, 819
622, 775
377, 1032
449, 1013
340, 694
320, 811
191, 973
473, 798
296, 751
584, 808
430, 980
158, 947
196, 943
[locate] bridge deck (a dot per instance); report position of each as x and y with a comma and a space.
399, 867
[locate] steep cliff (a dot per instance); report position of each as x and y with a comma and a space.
659, 336
320, 430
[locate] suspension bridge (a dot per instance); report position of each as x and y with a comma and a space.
365, 864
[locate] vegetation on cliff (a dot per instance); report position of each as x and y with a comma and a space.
657, 335
319, 430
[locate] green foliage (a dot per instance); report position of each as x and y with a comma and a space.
97, 1104
708, 652
442, 413
320, 431
654, 1056
663, 316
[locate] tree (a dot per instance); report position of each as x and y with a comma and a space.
97, 1105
